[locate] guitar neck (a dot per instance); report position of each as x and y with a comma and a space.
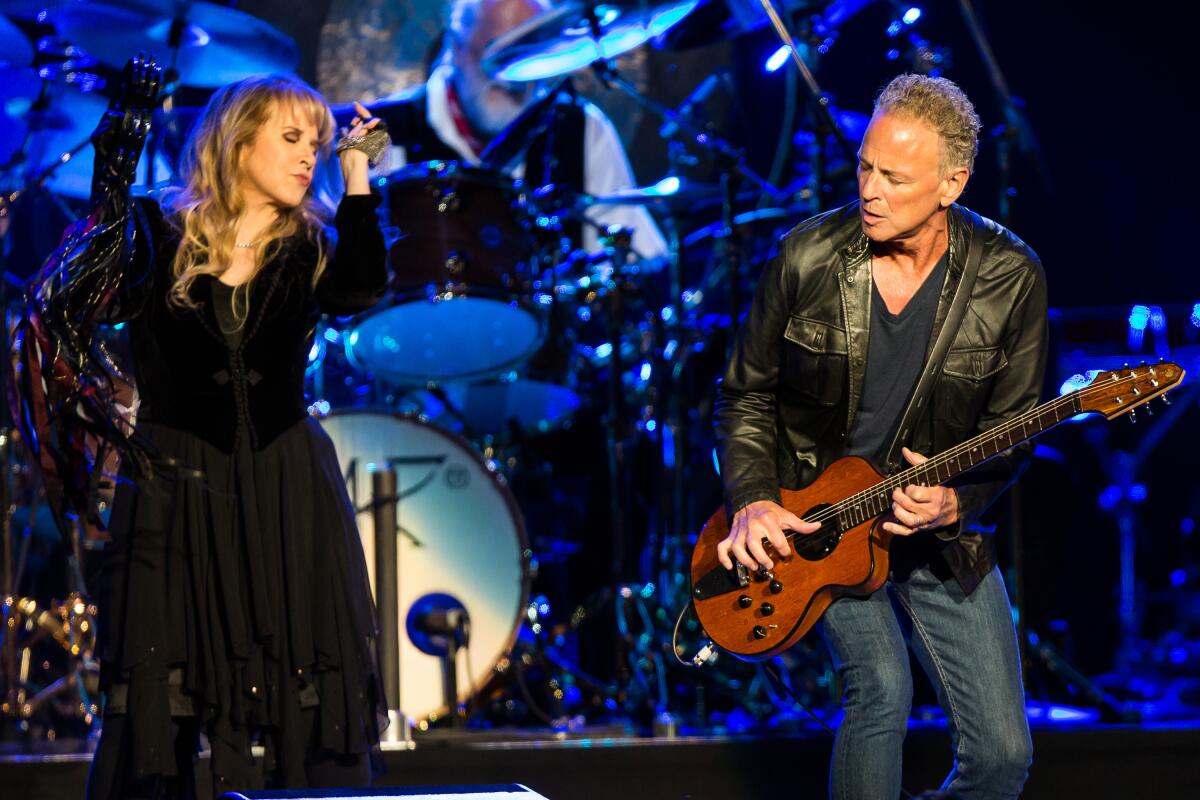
945, 466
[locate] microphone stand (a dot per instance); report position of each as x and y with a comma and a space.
823, 100
1016, 127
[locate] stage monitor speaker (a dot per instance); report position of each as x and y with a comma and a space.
507, 791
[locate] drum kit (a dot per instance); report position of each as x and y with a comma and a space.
498, 336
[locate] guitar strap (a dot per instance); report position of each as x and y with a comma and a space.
937, 357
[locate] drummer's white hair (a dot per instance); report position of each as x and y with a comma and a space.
464, 15
945, 107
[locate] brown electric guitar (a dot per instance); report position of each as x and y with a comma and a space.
755, 614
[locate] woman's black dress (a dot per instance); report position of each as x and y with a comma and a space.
236, 598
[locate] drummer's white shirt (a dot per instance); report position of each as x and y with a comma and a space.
606, 167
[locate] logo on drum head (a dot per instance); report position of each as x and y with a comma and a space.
457, 476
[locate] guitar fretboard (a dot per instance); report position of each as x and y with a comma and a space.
870, 503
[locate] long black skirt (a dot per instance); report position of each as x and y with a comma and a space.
235, 599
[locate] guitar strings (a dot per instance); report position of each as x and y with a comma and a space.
903, 478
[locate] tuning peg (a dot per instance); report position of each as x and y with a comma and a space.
1149, 410
1133, 415
1166, 400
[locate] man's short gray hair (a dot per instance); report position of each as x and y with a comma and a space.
944, 107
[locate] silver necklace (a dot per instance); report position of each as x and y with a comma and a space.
246, 245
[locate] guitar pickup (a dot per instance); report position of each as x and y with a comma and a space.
720, 581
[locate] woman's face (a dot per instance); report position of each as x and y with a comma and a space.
277, 166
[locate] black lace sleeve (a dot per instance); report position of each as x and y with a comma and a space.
69, 399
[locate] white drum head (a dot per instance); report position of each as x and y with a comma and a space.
472, 542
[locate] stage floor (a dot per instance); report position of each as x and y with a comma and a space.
1085, 761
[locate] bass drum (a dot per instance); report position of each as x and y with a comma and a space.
461, 543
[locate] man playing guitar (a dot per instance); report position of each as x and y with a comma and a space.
845, 324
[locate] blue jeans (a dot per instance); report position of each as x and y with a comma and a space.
967, 646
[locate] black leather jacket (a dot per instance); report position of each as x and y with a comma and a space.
793, 385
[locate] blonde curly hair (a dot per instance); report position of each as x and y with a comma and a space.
208, 204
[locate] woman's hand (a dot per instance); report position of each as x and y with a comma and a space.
354, 162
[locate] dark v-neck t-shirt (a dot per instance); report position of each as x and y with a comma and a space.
222, 298
896, 346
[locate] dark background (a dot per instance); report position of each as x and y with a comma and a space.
1109, 92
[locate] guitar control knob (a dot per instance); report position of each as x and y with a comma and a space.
767, 609
775, 586
744, 601
760, 632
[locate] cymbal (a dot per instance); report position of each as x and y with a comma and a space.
69, 119
574, 34
217, 45
670, 191
776, 215
15, 48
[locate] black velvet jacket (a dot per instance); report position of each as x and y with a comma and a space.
187, 375
794, 383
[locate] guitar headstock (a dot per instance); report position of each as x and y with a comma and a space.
1117, 391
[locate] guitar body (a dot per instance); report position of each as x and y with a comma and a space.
755, 616
807, 581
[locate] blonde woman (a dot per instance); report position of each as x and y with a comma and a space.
236, 600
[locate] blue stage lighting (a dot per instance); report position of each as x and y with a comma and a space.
606, 15
1139, 317
1158, 320
1196, 315
911, 16
1076, 382
666, 187
1067, 714
1178, 578
1110, 497
895, 28
778, 59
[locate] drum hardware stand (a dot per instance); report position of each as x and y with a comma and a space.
8, 656
384, 502
823, 100
454, 624
1016, 126
166, 97
617, 243
1122, 469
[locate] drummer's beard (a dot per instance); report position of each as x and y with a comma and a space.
493, 107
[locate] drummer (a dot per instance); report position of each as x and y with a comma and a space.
459, 110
